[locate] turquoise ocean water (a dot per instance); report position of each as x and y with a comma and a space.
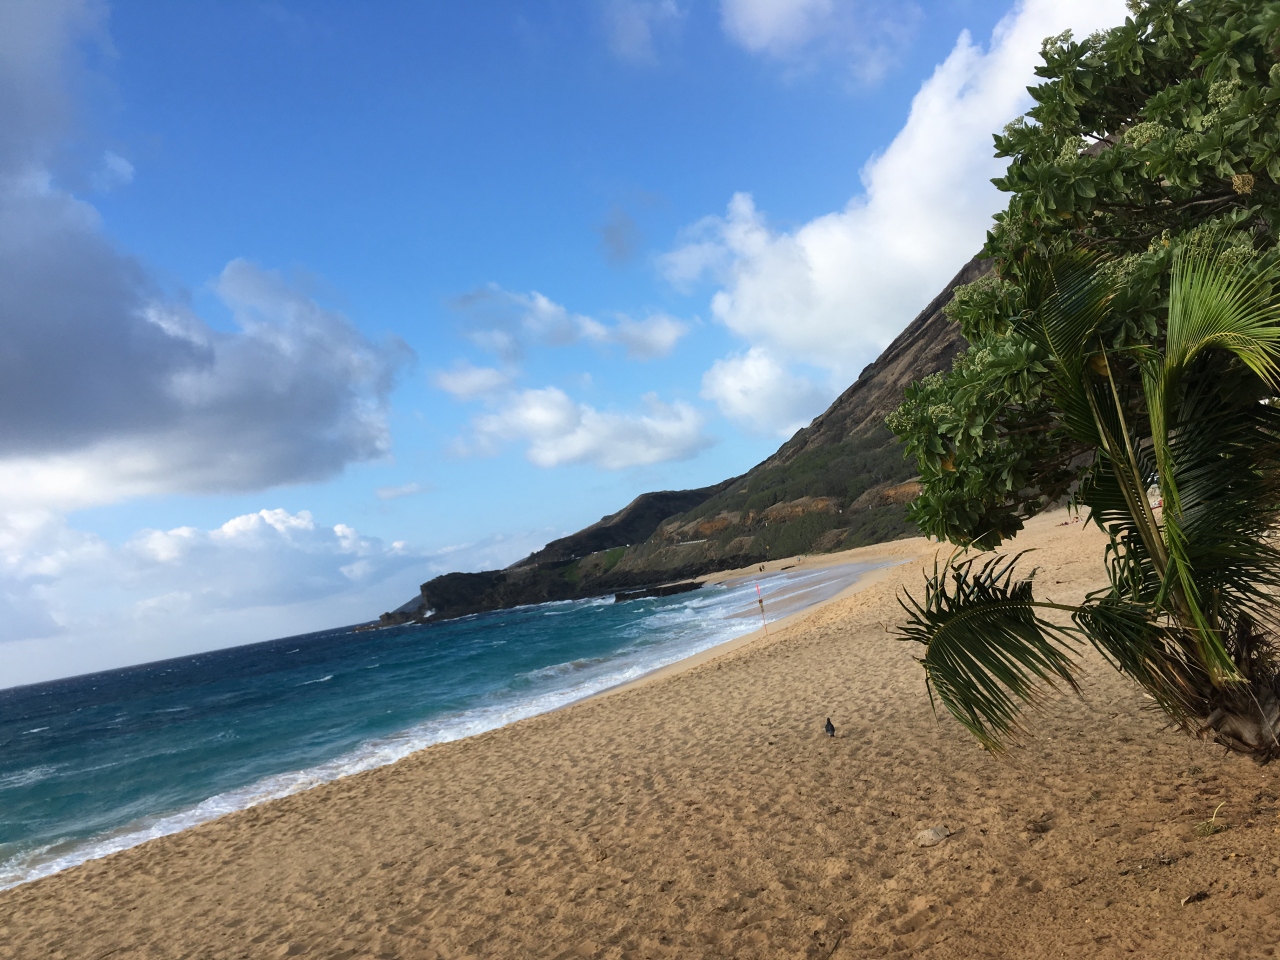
99, 763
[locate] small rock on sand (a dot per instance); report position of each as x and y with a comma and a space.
932, 837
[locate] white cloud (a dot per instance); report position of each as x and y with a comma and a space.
833, 292
268, 558
549, 322
756, 391
773, 26
468, 382
72, 603
557, 431
632, 25
655, 336
508, 322
395, 493
863, 37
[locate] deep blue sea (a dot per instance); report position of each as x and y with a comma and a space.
102, 762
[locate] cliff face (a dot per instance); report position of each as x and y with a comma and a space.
928, 344
841, 482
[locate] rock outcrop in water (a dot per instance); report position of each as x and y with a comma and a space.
841, 482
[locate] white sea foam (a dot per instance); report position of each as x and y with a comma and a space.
690, 627
32, 775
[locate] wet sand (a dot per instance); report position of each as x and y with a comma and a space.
703, 813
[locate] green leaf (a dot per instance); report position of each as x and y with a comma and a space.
987, 650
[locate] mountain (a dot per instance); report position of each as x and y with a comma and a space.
634, 523
841, 482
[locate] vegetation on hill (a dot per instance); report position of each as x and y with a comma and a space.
841, 482
634, 523
1125, 351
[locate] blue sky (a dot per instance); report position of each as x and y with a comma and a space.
309, 302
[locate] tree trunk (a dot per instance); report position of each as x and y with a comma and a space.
1250, 724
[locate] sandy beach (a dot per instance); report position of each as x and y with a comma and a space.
703, 813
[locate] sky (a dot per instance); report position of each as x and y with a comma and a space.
304, 303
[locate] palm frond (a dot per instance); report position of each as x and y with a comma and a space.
1217, 301
1130, 568
1214, 451
1153, 655
1072, 300
987, 649
1223, 452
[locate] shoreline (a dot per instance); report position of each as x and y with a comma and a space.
704, 813
867, 578
149, 828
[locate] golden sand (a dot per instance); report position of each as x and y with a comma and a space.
704, 814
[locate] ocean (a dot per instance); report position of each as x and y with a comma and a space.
99, 763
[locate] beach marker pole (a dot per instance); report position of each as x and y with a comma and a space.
760, 600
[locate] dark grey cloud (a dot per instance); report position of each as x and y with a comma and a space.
78, 358
93, 358
40, 41
107, 387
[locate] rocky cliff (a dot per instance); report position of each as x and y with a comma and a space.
840, 482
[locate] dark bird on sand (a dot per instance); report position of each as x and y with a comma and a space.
830, 728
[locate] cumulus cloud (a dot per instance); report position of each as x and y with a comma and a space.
557, 430
759, 393
507, 323
633, 26
833, 292
115, 393
78, 603
654, 336
110, 389
267, 558
36, 548
469, 382
72, 603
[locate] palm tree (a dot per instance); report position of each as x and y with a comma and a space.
1191, 612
